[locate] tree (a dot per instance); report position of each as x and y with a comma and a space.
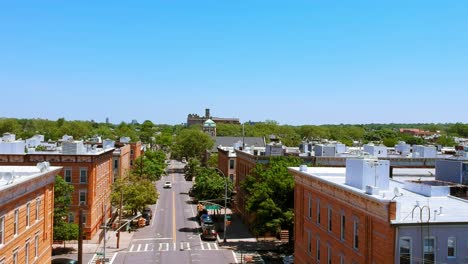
213, 160
62, 200
270, 195
210, 185
137, 193
150, 166
191, 143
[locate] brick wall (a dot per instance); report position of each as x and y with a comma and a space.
375, 234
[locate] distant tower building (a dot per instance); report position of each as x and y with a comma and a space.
134, 122
207, 114
107, 120
209, 127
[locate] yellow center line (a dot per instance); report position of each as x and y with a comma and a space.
173, 217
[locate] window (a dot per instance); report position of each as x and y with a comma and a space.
342, 259
329, 219
356, 235
318, 211
343, 226
405, 250
429, 250
318, 249
231, 177
309, 207
451, 247
71, 218
231, 164
329, 255
28, 209
83, 197
67, 175
38, 208
83, 175
36, 246
83, 217
15, 256
116, 164
26, 253
16, 222
309, 242
2, 230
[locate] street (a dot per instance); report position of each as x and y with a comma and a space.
173, 233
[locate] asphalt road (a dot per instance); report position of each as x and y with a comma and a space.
173, 234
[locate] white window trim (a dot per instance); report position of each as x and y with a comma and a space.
309, 242
16, 222
329, 254
65, 174
329, 219
27, 248
36, 246
84, 169
309, 207
411, 247
38, 208
85, 196
318, 253
454, 248
434, 249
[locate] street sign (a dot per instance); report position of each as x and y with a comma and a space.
228, 217
212, 207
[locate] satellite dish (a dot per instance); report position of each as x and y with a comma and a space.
397, 192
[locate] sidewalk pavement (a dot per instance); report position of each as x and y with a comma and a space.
93, 246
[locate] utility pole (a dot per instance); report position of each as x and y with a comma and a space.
80, 236
105, 229
225, 208
120, 218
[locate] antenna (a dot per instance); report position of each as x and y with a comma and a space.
397, 193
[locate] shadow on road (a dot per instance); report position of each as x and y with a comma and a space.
188, 229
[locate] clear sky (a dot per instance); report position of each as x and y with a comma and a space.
296, 62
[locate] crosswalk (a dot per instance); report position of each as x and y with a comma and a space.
148, 247
248, 257
109, 256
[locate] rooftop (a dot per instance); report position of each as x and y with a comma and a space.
442, 208
15, 175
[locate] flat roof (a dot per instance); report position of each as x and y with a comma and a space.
15, 175
454, 210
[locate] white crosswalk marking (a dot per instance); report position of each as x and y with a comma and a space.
146, 247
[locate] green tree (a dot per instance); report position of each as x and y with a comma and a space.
270, 195
191, 143
210, 185
150, 165
213, 160
446, 141
137, 193
62, 201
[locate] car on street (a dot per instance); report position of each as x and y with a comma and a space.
64, 261
208, 232
167, 184
147, 214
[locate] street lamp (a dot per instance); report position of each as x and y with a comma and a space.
225, 203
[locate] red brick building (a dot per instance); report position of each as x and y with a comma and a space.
26, 213
91, 174
336, 223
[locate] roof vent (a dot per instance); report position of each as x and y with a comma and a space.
303, 168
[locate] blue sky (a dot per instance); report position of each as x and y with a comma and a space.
296, 62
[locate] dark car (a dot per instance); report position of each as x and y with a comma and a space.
147, 214
64, 261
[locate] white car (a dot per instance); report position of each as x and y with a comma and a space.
167, 184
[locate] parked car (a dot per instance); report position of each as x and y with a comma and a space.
288, 259
167, 184
209, 232
64, 261
147, 214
